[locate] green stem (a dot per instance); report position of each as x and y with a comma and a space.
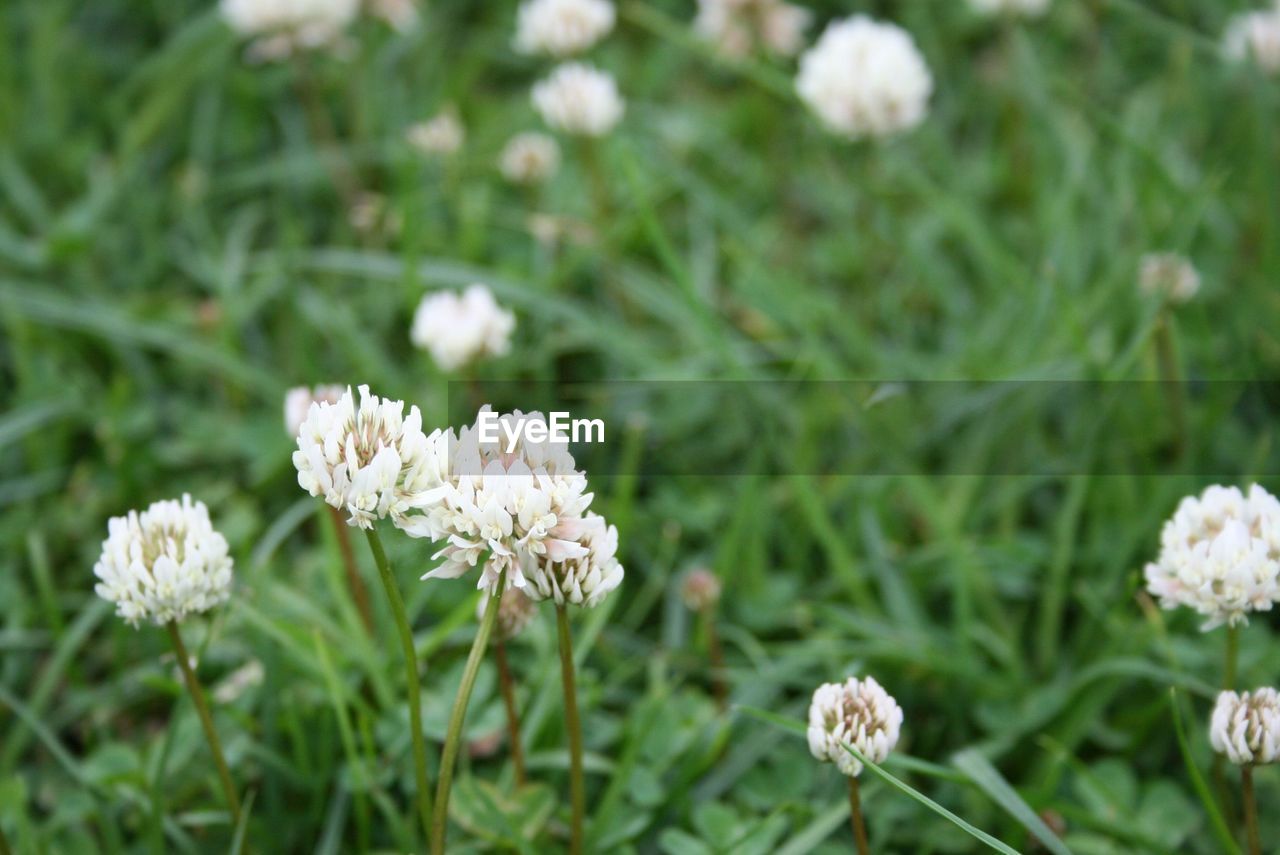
855, 817
206, 720
508, 685
577, 790
358, 591
411, 674
1233, 653
1250, 810
1171, 379
4, 844
453, 739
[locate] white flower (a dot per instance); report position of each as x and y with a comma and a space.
579, 99
865, 78
164, 563
736, 27
400, 15
372, 462
1029, 8
507, 505
458, 329
1168, 275
1246, 727
584, 579
515, 610
239, 681
298, 401
530, 158
280, 27
442, 134
858, 713
700, 589
1220, 555
562, 27
1255, 36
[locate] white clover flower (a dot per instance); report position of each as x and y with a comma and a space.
458, 329
372, 462
529, 158
282, 27
561, 28
239, 681
515, 610
506, 504
700, 589
1246, 727
858, 713
1255, 36
737, 27
579, 99
164, 563
865, 78
298, 401
1220, 555
583, 579
1168, 275
400, 15
442, 134
1028, 8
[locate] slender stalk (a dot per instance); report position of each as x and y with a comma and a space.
577, 789
590, 150
322, 128
411, 675
4, 844
1171, 379
1250, 810
716, 656
206, 720
855, 817
453, 738
1232, 654
508, 686
359, 592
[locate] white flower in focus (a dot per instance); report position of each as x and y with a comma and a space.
442, 134
579, 99
281, 27
298, 401
562, 27
1220, 555
458, 329
515, 610
858, 713
372, 462
700, 589
1255, 36
737, 27
530, 158
164, 563
1168, 275
1028, 8
400, 15
865, 78
580, 580
1246, 727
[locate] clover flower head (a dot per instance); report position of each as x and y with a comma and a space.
1168, 275
280, 28
562, 28
738, 27
164, 563
579, 99
515, 611
459, 329
1246, 727
581, 579
1255, 36
298, 401
858, 713
700, 589
865, 78
530, 158
1026, 8
1220, 555
442, 134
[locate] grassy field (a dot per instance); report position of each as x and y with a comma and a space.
176, 251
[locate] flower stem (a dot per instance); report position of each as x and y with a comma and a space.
1250, 810
411, 675
716, 656
855, 817
577, 790
1233, 653
453, 738
206, 720
513, 713
359, 592
1171, 379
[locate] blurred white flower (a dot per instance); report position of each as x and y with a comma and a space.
530, 158
239, 681
164, 563
400, 15
1029, 8
579, 99
515, 610
865, 78
458, 329
1246, 727
371, 214
562, 27
1168, 275
281, 27
858, 713
298, 401
700, 589
1220, 555
1255, 36
372, 462
441, 134
580, 580
737, 27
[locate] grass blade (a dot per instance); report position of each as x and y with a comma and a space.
1220, 828
988, 779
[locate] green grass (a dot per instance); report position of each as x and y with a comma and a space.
173, 256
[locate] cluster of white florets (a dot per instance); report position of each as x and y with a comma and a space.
1255, 36
279, 28
1168, 275
579, 99
529, 158
459, 329
738, 27
562, 28
858, 713
442, 134
1246, 727
1027, 8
